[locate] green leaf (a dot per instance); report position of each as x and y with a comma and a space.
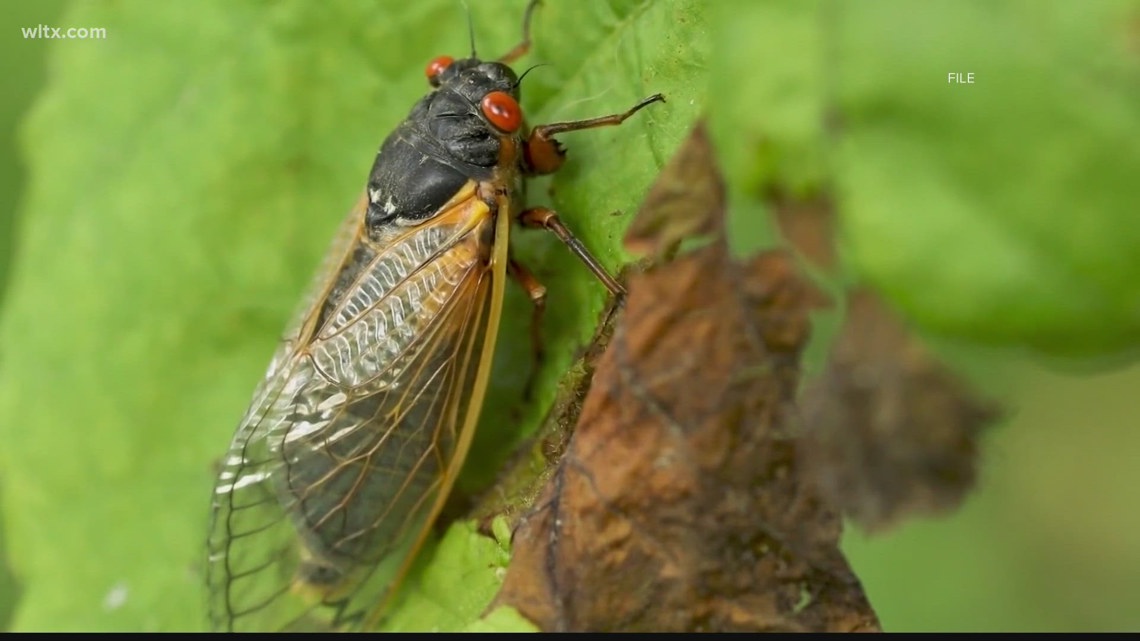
502, 619
461, 576
999, 211
186, 175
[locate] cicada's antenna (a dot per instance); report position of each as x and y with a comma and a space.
470, 29
529, 69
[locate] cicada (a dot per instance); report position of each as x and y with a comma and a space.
359, 428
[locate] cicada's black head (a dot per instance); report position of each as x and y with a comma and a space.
483, 76
474, 106
467, 127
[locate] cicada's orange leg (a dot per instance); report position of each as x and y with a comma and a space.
543, 218
536, 291
523, 47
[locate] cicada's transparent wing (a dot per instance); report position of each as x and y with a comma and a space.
339, 253
343, 461
246, 457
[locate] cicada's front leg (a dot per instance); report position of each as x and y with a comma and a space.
542, 154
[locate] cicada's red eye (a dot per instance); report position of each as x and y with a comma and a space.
437, 67
503, 111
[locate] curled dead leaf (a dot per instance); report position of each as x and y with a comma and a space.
679, 503
889, 431
687, 200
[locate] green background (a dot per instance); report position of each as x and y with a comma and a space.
161, 199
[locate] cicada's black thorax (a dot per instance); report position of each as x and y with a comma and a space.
444, 142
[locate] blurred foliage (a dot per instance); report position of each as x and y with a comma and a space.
186, 172
21, 63
999, 212
1049, 542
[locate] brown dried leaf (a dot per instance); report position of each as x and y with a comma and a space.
807, 224
679, 504
686, 200
889, 431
